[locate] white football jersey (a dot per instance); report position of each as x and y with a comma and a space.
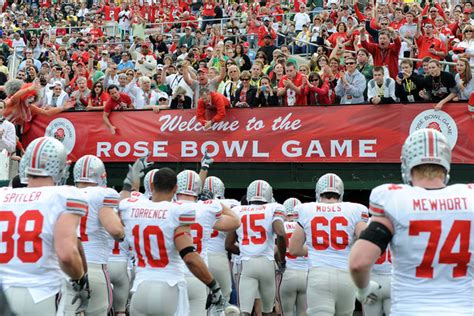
217, 241
27, 220
207, 214
432, 247
292, 262
255, 232
94, 237
150, 231
329, 230
120, 250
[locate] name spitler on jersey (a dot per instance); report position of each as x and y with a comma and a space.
31, 215
329, 230
432, 247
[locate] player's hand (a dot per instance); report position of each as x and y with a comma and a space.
83, 293
206, 161
136, 171
215, 297
281, 266
369, 294
205, 195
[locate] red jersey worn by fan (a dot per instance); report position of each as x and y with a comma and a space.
291, 98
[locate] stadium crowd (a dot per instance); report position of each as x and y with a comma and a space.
140, 55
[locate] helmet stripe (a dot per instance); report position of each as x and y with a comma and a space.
85, 167
259, 188
331, 181
210, 185
431, 142
190, 181
36, 153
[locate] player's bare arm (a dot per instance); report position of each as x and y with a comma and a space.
297, 243
228, 221
112, 223
279, 230
66, 245
231, 243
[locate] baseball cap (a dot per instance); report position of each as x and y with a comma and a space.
56, 83
147, 45
467, 10
204, 70
266, 19
159, 66
269, 36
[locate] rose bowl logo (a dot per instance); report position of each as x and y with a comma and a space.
438, 120
63, 130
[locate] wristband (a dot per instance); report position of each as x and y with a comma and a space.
213, 286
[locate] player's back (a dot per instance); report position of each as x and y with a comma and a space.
432, 247
217, 241
27, 220
207, 213
329, 230
150, 229
94, 237
256, 232
292, 262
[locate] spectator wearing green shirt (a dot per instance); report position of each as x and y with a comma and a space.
188, 38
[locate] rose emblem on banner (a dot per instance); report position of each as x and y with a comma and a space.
438, 120
63, 130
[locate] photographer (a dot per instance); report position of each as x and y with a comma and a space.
180, 100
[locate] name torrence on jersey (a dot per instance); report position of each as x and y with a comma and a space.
356, 133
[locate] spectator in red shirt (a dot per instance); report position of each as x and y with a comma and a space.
96, 31
117, 101
208, 13
384, 53
428, 44
266, 29
291, 87
214, 102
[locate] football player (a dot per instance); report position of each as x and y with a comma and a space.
218, 261
326, 230
429, 226
38, 232
100, 223
259, 222
292, 290
160, 234
210, 215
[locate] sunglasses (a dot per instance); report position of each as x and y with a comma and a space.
162, 99
98, 86
350, 63
244, 79
313, 79
468, 31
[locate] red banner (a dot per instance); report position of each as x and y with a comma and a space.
357, 133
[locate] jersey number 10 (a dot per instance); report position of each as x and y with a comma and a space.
148, 233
